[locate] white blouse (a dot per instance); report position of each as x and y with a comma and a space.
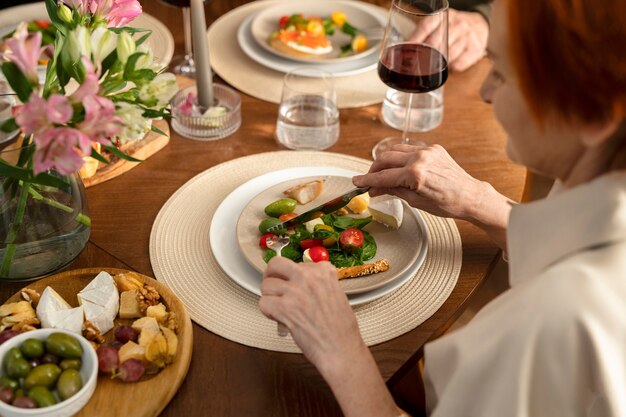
554, 344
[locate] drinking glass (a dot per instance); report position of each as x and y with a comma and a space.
414, 55
308, 118
184, 65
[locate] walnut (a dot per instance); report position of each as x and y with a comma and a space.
148, 296
91, 333
31, 296
12, 314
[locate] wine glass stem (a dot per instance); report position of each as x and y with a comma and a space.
187, 30
407, 119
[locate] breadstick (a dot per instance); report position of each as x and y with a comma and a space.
362, 270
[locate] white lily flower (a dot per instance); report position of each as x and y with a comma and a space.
159, 91
146, 60
135, 125
103, 42
83, 38
125, 46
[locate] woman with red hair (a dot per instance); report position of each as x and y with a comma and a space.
554, 344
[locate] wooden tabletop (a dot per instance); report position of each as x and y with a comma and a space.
228, 379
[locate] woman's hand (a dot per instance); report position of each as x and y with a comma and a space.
428, 178
308, 300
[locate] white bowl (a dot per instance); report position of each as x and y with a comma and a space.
71, 406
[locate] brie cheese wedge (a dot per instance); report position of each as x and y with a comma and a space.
388, 211
101, 301
54, 312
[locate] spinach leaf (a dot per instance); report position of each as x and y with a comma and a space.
368, 250
343, 222
268, 254
362, 222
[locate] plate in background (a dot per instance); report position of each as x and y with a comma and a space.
266, 22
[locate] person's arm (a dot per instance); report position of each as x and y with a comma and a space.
308, 299
428, 178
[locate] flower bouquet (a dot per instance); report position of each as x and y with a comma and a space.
101, 90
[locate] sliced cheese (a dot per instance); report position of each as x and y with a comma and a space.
359, 203
103, 279
101, 301
100, 317
388, 211
54, 312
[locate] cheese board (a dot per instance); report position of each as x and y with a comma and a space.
141, 149
149, 396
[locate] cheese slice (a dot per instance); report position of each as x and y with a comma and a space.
54, 312
98, 316
103, 279
387, 210
101, 301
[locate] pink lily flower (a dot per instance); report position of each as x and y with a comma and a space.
186, 108
56, 149
116, 12
38, 114
100, 123
90, 85
24, 50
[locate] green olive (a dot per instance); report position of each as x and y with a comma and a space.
42, 396
17, 368
64, 345
267, 223
45, 375
70, 364
69, 383
32, 348
5, 381
13, 353
279, 207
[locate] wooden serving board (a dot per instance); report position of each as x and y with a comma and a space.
141, 149
147, 397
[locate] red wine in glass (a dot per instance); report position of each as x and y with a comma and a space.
413, 68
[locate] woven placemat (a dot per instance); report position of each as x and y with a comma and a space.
236, 68
181, 257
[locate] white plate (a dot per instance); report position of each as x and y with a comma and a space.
271, 61
265, 24
161, 40
225, 247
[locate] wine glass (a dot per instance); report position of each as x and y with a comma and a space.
414, 55
184, 65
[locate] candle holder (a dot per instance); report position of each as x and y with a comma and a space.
194, 122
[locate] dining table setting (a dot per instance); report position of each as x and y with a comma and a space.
179, 209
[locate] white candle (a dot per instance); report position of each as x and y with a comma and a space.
204, 83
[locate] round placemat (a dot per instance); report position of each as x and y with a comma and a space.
181, 257
236, 68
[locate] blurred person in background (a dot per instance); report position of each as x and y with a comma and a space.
554, 344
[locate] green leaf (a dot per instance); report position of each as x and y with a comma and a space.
97, 155
368, 250
121, 154
53, 11
348, 29
108, 62
143, 38
26, 175
268, 254
159, 131
18, 82
343, 222
360, 223
9, 126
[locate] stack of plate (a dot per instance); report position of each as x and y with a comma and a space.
234, 235
254, 33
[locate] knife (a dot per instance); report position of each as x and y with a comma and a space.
328, 207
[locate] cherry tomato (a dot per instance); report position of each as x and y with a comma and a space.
351, 239
283, 22
317, 254
287, 216
309, 243
264, 238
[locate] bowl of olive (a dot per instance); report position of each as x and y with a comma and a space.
46, 372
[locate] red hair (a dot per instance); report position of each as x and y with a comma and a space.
570, 57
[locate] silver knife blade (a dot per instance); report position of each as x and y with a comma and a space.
326, 208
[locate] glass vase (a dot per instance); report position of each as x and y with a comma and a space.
42, 227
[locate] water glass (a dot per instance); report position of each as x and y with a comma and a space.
426, 110
308, 118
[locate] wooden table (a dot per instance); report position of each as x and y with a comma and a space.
228, 379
